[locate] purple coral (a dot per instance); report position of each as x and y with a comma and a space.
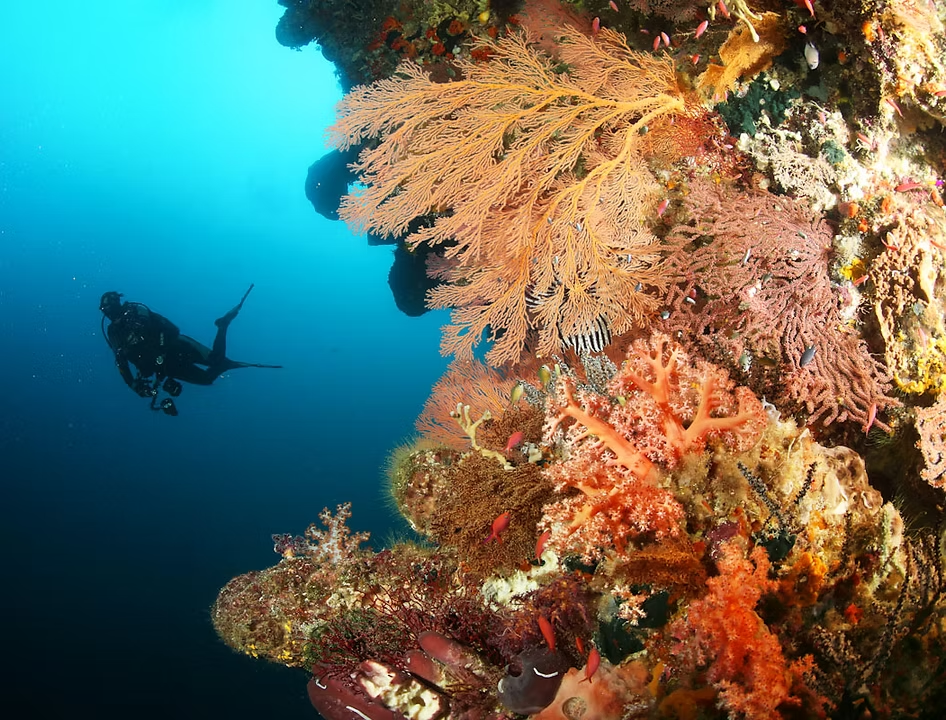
755, 294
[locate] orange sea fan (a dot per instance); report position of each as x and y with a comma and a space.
466, 382
533, 169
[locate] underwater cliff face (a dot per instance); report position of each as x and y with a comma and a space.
700, 472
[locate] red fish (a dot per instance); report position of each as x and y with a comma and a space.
514, 440
499, 524
594, 660
871, 416
547, 632
540, 544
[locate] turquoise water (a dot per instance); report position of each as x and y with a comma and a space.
160, 149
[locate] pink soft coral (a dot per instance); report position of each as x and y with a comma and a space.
668, 405
662, 406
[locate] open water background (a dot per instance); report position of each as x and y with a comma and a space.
160, 149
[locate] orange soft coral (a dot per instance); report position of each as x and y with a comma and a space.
745, 659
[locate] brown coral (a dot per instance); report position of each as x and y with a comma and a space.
477, 490
909, 299
931, 425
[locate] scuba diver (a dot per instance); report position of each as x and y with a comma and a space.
155, 346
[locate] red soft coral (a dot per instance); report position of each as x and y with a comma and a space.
667, 405
690, 400
745, 659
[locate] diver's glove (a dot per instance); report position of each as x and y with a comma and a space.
143, 388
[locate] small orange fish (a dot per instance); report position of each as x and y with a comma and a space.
701, 28
499, 524
541, 543
547, 632
594, 660
514, 440
595, 26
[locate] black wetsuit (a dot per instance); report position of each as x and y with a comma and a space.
155, 346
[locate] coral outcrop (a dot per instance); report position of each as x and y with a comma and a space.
702, 475
682, 548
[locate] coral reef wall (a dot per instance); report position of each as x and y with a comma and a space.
700, 471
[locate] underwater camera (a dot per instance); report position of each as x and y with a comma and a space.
168, 406
172, 387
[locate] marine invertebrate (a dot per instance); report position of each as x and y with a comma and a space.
335, 545
475, 491
931, 426
744, 659
746, 52
755, 295
534, 686
270, 613
663, 405
909, 298
465, 383
265, 613
614, 692
532, 166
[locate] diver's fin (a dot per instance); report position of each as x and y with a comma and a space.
228, 318
236, 364
245, 295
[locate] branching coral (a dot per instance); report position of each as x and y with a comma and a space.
662, 407
335, 544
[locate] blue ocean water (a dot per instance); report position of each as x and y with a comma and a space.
160, 149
